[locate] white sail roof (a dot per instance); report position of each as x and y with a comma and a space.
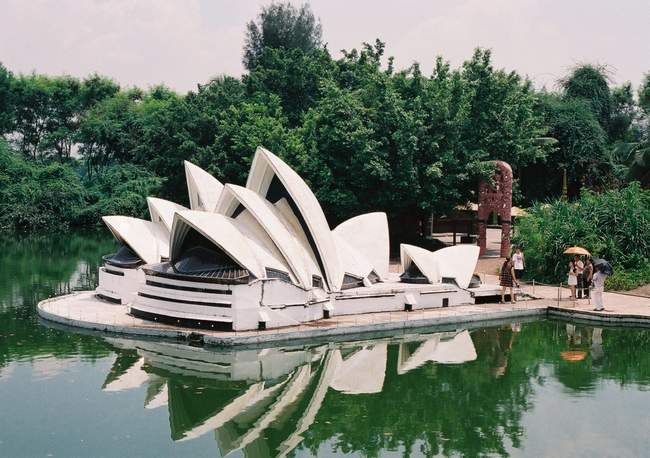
148, 240
265, 168
457, 262
423, 259
220, 230
203, 188
269, 218
369, 235
162, 211
350, 261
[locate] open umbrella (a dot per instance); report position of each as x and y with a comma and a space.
577, 250
602, 265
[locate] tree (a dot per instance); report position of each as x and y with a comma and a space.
590, 82
281, 25
623, 114
105, 133
31, 96
96, 88
644, 94
6, 104
63, 117
294, 76
580, 149
37, 197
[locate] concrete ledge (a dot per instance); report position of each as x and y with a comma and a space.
375, 328
84, 310
598, 316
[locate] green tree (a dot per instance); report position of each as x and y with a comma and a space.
31, 94
644, 94
36, 197
123, 191
6, 102
580, 150
293, 75
281, 25
590, 82
96, 88
63, 117
624, 114
105, 133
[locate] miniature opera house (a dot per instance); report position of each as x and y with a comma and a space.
264, 256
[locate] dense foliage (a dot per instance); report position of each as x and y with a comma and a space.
614, 225
365, 136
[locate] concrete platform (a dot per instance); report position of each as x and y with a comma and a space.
85, 310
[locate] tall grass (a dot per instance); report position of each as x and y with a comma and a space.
614, 225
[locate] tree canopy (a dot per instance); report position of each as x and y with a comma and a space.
281, 25
365, 136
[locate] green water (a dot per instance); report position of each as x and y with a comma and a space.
540, 388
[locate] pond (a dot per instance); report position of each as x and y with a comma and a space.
537, 388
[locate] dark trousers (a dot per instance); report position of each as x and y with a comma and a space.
579, 287
585, 285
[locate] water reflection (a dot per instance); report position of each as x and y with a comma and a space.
262, 401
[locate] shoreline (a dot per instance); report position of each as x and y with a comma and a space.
85, 311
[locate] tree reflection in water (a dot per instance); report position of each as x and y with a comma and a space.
461, 392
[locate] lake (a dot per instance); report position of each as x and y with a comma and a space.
536, 388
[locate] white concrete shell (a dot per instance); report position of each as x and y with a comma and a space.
162, 211
261, 244
148, 240
203, 188
266, 166
269, 218
457, 262
221, 231
423, 259
369, 235
350, 261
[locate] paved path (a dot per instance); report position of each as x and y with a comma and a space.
86, 311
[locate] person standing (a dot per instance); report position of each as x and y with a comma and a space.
520, 265
506, 279
587, 274
599, 287
572, 279
579, 268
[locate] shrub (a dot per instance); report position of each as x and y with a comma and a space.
614, 225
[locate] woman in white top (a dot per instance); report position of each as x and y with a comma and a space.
572, 279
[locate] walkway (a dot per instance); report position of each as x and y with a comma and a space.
86, 311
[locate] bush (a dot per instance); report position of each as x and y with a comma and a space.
34, 197
122, 191
614, 225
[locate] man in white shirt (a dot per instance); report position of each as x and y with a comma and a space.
599, 287
520, 265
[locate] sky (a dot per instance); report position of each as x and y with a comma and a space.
182, 43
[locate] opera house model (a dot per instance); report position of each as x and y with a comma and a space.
263, 256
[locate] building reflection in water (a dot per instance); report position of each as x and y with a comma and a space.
261, 401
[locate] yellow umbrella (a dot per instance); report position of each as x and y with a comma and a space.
577, 250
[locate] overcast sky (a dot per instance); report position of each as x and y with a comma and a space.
184, 42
